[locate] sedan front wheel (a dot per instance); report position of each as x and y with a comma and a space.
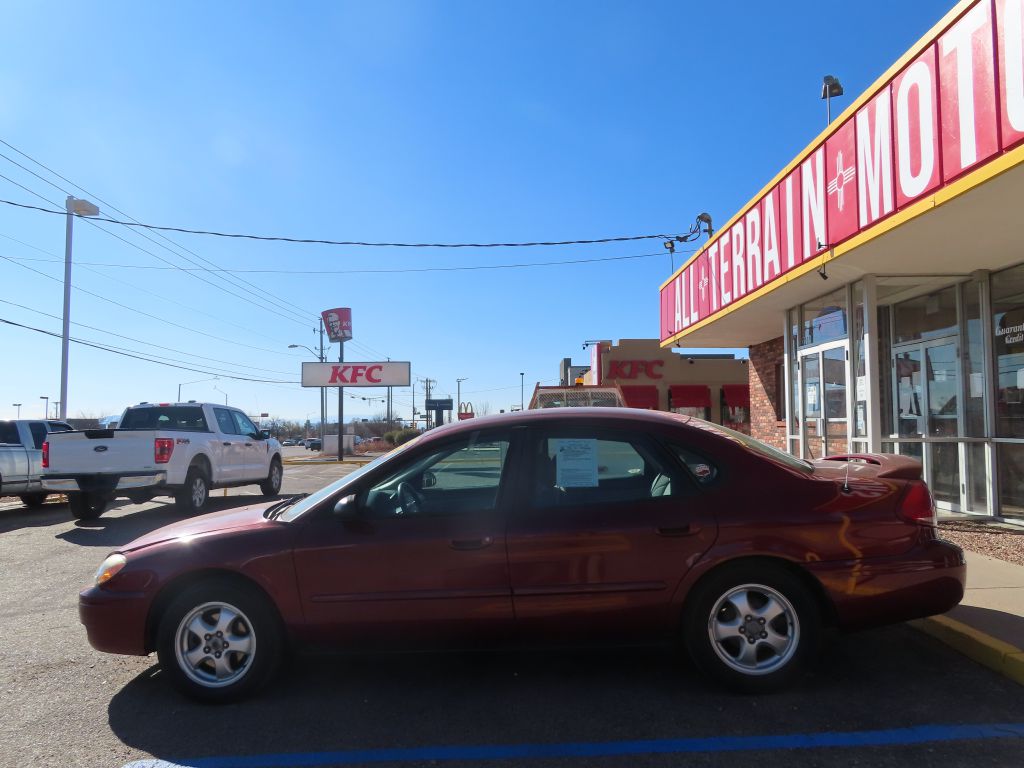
219, 641
753, 627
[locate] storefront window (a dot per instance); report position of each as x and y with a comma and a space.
1011, 479
824, 319
1008, 348
926, 317
735, 400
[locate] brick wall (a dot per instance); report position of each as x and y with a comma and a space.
765, 424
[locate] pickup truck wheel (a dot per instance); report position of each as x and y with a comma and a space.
33, 500
86, 506
272, 485
193, 496
219, 641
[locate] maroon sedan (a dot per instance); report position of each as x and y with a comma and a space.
556, 526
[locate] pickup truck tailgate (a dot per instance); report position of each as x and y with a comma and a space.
98, 451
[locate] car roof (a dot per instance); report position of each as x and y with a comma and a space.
621, 416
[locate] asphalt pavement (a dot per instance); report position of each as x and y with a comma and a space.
886, 697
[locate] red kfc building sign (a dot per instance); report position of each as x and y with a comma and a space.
958, 104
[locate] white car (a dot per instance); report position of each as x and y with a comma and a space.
167, 449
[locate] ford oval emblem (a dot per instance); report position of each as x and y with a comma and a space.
100, 448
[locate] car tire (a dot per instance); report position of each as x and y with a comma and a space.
754, 627
33, 500
229, 666
272, 485
192, 497
86, 506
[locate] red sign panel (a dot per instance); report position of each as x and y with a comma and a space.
338, 323
956, 106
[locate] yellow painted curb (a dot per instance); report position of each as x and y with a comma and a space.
999, 656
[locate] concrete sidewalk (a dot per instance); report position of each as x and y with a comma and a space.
988, 626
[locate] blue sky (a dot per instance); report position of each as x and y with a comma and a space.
396, 121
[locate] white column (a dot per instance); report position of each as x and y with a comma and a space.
871, 363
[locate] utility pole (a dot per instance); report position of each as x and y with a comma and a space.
323, 390
427, 384
341, 407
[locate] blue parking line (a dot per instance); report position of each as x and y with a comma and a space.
891, 737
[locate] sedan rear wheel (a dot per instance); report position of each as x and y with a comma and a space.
752, 626
219, 641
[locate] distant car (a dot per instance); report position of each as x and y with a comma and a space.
288, 443
314, 444
552, 526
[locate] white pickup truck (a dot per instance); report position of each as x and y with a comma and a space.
21, 456
168, 449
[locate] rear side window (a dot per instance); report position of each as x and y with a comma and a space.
579, 469
703, 471
9, 433
38, 430
184, 418
225, 421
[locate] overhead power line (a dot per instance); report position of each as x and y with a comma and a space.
91, 221
317, 241
238, 282
397, 270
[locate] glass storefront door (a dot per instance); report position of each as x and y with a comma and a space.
928, 405
823, 385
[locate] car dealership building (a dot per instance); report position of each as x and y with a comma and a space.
878, 279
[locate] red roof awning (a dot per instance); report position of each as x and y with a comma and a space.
690, 396
736, 395
641, 396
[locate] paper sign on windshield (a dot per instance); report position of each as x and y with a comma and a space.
576, 463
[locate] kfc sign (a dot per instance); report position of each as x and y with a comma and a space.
957, 105
338, 323
632, 369
388, 374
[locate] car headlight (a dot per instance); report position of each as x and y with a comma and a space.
109, 568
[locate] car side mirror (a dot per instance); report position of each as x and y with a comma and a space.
429, 479
347, 507
264, 434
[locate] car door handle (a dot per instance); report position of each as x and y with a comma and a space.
678, 530
249, 445
465, 544
226, 444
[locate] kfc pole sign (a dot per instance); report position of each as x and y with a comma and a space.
388, 374
957, 105
338, 323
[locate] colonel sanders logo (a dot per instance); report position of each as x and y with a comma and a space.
338, 323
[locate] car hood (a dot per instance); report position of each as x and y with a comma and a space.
215, 522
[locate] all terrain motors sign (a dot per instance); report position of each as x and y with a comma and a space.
388, 374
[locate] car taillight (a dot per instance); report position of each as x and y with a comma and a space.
46, 454
917, 505
163, 447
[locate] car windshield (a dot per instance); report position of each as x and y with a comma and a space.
315, 499
753, 444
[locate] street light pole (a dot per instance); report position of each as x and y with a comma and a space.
830, 86
522, 387
74, 207
197, 381
18, 406
323, 392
